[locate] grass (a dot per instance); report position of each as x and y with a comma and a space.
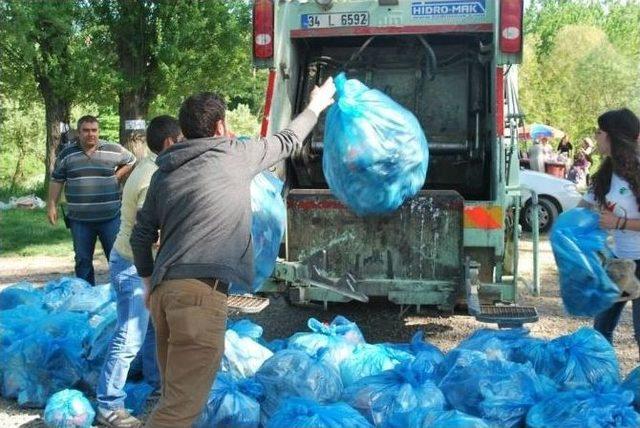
28, 233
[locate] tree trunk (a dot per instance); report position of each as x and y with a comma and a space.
133, 109
56, 110
18, 172
135, 31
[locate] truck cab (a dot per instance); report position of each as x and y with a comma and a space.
445, 61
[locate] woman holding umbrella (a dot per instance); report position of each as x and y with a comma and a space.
541, 151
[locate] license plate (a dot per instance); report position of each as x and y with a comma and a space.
329, 20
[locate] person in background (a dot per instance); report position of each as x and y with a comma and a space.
587, 146
565, 147
199, 201
536, 156
90, 172
579, 171
565, 154
547, 149
615, 191
67, 138
133, 332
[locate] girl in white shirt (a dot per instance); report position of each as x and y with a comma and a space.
615, 190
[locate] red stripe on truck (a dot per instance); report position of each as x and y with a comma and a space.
499, 101
264, 128
314, 204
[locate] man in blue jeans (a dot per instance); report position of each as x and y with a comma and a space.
90, 171
134, 333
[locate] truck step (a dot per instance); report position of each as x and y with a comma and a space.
507, 316
246, 303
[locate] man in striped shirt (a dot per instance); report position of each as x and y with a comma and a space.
90, 171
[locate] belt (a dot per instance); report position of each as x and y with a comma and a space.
216, 284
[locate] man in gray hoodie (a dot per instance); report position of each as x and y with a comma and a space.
199, 203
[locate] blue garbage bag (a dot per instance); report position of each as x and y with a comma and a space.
323, 334
102, 325
96, 343
277, 345
68, 409
44, 348
15, 325
22, 293
537, 353
338, 338
509, 344
18, 322
293, 373
386, 398
137, 395
368, 360
243, 356
269, 220
375, 153
632, 383
506, 399
64, 324
579, 408
494, 389
304, 413
41, 365
246, 328
89, 299
232, 403
431, 418
579, 360
418, 346
576, 240
57, 292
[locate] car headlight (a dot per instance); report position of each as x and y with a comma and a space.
571, 188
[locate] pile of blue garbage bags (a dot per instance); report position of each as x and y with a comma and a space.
54, 339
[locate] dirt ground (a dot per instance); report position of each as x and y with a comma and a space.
380, 322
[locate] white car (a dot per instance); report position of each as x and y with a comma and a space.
555, 196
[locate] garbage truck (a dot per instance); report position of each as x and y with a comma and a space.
448, 62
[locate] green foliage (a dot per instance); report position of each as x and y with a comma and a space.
47, 44
622, 25
242, 122
28, 233
206, 46
187, 47
22, 151
545, 18
580, 59
109, 125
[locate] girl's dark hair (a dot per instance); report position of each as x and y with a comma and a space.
623, 128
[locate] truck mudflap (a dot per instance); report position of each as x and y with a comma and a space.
413, 256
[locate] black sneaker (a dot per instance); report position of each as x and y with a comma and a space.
117, 419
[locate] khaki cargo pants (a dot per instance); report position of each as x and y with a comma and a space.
190, 321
